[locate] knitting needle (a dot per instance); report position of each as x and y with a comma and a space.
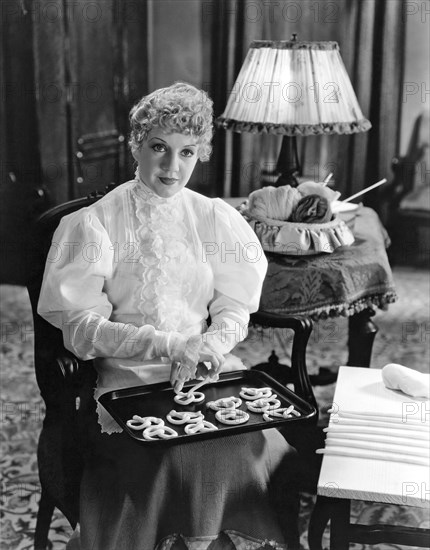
327, 179
377, 184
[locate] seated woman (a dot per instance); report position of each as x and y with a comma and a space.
151, 262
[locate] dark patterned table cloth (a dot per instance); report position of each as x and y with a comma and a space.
345, 282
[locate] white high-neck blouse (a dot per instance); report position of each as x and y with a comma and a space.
135, 270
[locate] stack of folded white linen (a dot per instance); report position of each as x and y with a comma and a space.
394, 437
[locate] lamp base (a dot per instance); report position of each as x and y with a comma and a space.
287, 179
276, 179
288, 166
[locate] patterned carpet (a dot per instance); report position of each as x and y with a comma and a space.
402, 338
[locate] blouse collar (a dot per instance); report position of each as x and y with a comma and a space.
148, 195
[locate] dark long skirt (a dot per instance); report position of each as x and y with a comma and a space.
133, 497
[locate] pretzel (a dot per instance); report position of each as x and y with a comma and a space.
263, 405
264, 400
200, 427
277, 413
250, 394
159, 432
253, 407
286, 412
232, 416
281, 413
184, 417
272, 405
142, 422
225, 403
185, 398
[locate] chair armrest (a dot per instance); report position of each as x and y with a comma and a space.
78, 376
75, 389
62, 378
69, 365
280, 320
302, 327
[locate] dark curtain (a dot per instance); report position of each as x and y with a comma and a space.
370, 34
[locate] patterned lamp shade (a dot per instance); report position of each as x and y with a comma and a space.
293, 88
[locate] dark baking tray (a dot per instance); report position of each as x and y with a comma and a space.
157, 400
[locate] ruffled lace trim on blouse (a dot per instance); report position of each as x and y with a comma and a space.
164, 256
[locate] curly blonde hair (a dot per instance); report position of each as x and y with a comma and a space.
180, 108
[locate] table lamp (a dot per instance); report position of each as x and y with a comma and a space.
293, 88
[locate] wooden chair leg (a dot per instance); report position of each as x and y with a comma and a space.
43, 523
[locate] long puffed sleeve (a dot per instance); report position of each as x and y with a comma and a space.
239, 269
72, 298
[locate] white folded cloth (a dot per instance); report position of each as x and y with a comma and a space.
401, 440
388, 448
374, 455
358, 423
398, 431
383, 435
409, 381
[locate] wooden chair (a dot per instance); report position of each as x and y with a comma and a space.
66, 383
297, 373
305, 439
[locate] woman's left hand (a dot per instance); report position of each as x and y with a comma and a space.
209, 355
209, 365
204, 371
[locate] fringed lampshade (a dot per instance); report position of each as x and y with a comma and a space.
293, 88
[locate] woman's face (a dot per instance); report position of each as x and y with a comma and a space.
166, 161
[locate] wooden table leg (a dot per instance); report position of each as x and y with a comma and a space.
339, 524
318, 522
335, 510
362, 332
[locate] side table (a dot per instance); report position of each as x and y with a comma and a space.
352, 282
377, 476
